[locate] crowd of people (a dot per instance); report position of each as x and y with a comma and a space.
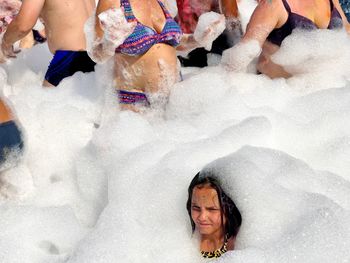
144, 41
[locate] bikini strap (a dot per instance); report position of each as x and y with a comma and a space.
129, 14
165, 10
287, 7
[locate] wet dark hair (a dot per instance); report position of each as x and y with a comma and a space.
227, 206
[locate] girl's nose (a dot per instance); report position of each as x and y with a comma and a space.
202, 215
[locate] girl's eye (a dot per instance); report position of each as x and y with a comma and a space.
195, 208
213, 209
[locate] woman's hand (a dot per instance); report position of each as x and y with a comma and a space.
210, 26
105, 32
116, 28
7, 51
238, 57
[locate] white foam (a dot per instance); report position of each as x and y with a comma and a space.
118, 192
210, 26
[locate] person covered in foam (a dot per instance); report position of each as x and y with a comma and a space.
189, 13
143, 38
271, 22
11, 142
213, 215
64, 22
8, 11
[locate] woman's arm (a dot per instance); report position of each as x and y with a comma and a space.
229, 8
188, 43
94, 34
97, 50
111, 29
103, 5
210, 26
268, 15
234, 29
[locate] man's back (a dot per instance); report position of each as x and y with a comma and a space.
64, 22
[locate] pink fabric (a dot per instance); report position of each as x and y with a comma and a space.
190, 10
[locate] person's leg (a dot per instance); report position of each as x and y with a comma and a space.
65, 63
10, 135
47, 84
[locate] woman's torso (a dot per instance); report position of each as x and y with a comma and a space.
298, 14
155, 69
306, 15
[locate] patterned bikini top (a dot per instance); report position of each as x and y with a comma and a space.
144, 37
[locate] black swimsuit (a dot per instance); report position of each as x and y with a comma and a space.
298, 21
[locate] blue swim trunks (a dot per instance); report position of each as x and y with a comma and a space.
10, 140
65, 63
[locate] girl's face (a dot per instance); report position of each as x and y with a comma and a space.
206, 211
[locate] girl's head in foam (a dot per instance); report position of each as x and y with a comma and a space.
211, 211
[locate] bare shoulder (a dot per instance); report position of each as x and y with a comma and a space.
269, 12
270, 5
103, 5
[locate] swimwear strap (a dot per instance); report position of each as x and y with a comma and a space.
131, 97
